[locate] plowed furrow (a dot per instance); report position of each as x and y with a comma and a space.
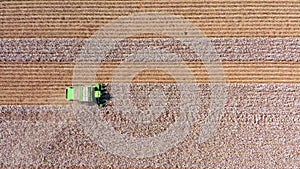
212, 3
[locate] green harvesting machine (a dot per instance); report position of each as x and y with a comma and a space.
95, 93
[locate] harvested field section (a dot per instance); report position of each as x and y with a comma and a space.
81, 19
153, 76
25, 83
45, 83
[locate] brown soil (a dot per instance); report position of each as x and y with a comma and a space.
217, 18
